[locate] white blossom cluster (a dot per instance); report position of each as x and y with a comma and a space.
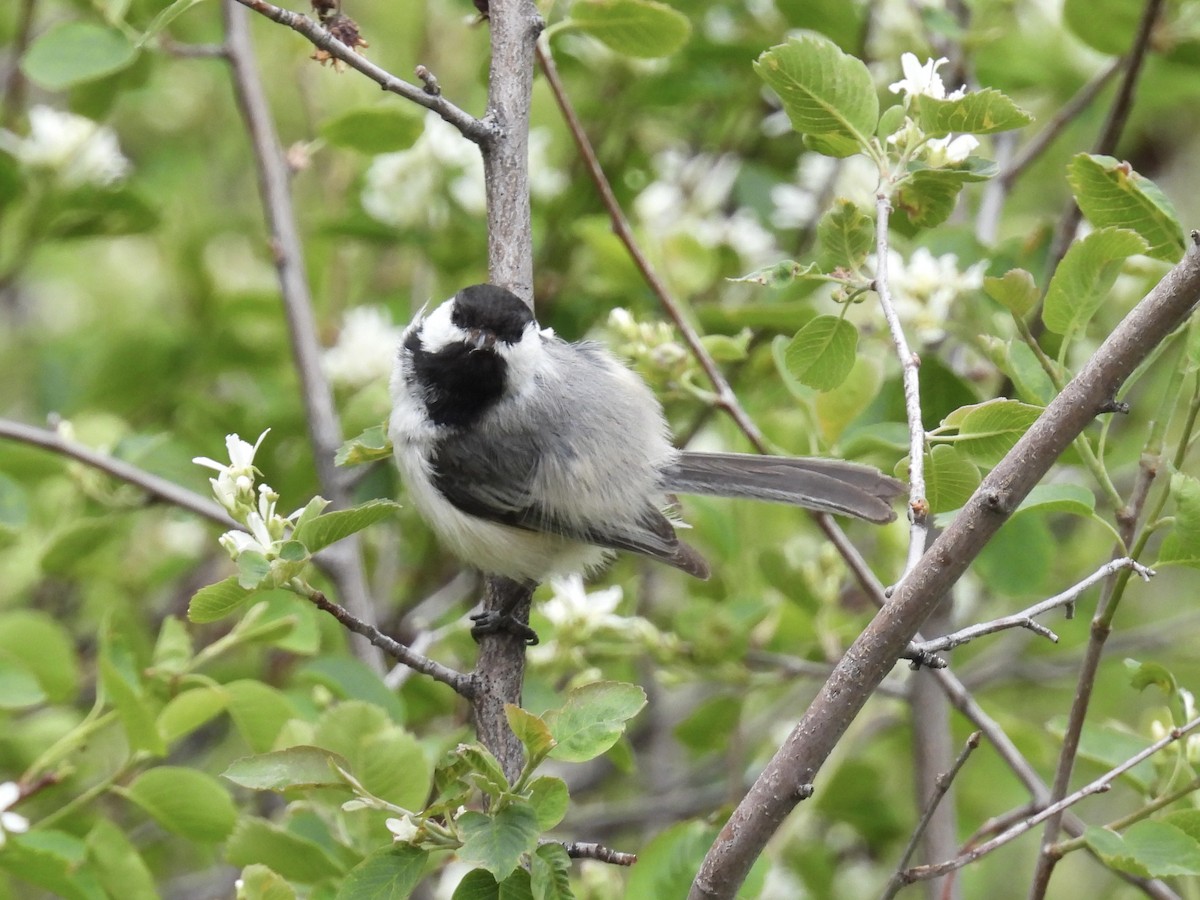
364, 350
925, 287
76, 151
10, 822
923, 80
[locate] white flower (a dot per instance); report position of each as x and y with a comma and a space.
364, 350
923, 79
403, 830
10, 822
798, 205
925, 287
77, 150
573, 608
234, 485
949, 152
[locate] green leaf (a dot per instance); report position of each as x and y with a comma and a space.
1182, 543
19, 687
332, 527
373, 444
1106, 25
1110, 193
821, 354
44, 648
388, 760
54, 861
1085, 276
217, 601
14, 503
260, 883
593, 718
987, 431
927, 196
1016, 360
185, 801
1109, 746
75, 52
1148, 848
531, 731
708, 727
950, 478
388, 874
846, 235
259, 711
165, 17
125, 690
374, 129
976, 112
497, 842
1144, 674
478, 884
550, 799
282, 770
1111, 849
1065, 498
550, 873
824, 91
117, 863
1015, 291
838, 408
668, 863
295, 857
639, 28
186, 712
74, 543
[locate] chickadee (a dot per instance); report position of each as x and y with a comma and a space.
531, 457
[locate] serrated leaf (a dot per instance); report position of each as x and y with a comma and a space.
1155, 849
185, 801
846, 235
478, 884
282, 770
388, 760
332, 527
638, 28
1182, 543
388, 874
497, 842
987, 431
824, 91
821, 354
1111, 849
976, 112
928, 196
593, 719
374, 129
254, 570
550, 873
217, 600
54, 861
950, 478
781, 273
75, 52
1016, 291
258, 842
371, 445
531, 731
1085, 276
1110, 193
549, 798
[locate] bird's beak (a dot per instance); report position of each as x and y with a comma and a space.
479, 339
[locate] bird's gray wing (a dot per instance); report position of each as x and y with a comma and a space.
481, 480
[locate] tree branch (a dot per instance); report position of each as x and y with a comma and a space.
325, 432
479, 132
874, 652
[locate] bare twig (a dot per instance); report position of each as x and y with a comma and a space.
157, 488
480, 132
918, 506
464, 685
1025, 618
325, 433
583, 850
874, 652
941, 786
1103, 783
14, 86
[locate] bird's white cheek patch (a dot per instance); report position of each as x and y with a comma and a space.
437, 331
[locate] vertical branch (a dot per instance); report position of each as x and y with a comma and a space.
515, 26
324, 429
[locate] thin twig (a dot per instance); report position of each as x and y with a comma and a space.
585, 850
1062, 849
158, 488
1103, 783
1059, 121
325, 432
941, 786
1025, 618
918, 506
475, 130
14, 86
463, 685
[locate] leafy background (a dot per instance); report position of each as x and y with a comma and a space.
147, 316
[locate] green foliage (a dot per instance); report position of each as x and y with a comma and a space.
1085, 276
821, 354
373, 129
977, 112
639, 28
72, 53
1111, 194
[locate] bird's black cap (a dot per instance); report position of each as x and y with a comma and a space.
491, 309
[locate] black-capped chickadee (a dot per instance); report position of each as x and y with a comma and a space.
531, 457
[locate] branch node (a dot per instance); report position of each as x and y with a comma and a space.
429, 80
1113, 405
803, 791
996, 501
